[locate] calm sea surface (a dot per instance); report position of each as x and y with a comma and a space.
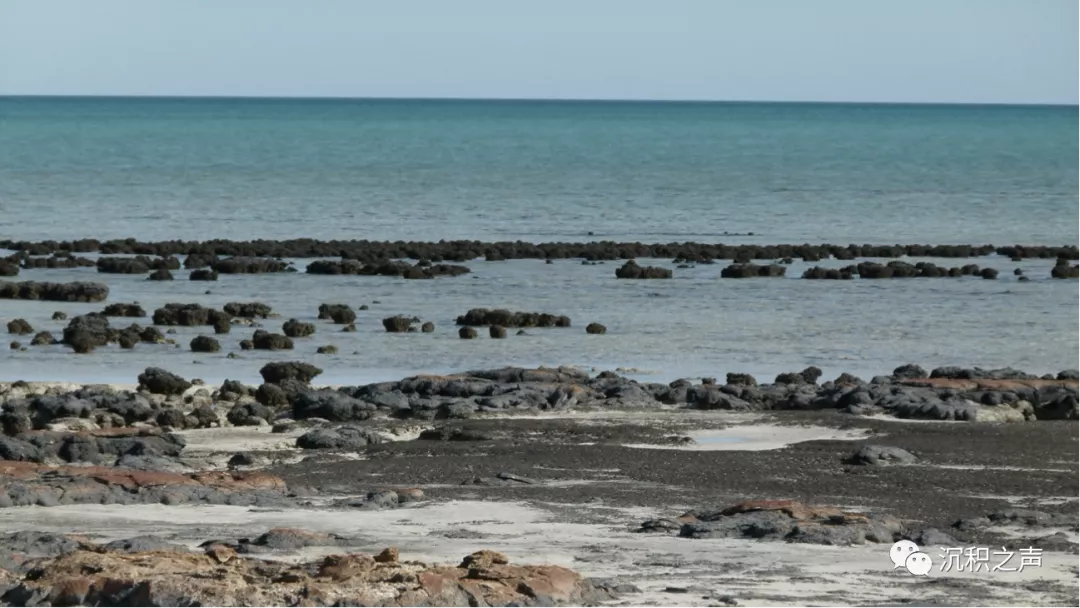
161, 169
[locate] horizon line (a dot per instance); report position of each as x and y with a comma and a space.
533, 99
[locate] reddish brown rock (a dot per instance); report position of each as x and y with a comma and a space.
220, 577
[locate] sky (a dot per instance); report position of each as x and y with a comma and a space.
981, 51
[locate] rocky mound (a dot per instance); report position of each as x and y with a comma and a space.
783, 520
501, 317
386, 268
78, 291
28, 483
96, 576
371, 252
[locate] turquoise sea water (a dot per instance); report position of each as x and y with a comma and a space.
540, 171
160, 169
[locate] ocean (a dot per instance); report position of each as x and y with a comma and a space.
160, 169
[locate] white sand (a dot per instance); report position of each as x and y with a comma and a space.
756, 573
756, 437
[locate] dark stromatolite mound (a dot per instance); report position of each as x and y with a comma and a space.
248, 310
386, 268
57, 261
123, 265
342, 314
373, 252
8, 269
98, 447
187, 315
343, 437
19, 327
835, 274
79, 291
294, 328
398, 323
137, 265
747, 270
264, 340
279, 371
478, 317
249, 265
161, 274
790, 521
876, 455
157, 380
203, 274
86, 332
28, 483
631, 270
1062, 270
205, 344
595, 328
121, 309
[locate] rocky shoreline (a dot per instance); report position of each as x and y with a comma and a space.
288, 491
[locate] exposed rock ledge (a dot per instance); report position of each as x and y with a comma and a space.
94, 576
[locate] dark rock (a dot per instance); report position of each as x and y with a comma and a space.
249, 414
631, 270
159, 381
86, 332
19, 327
186, 315
59, 316
497, 331
328, 349
56, 292
909, 371
277, 372
427, 327
735, 379
478, 317
342, 314
467, 333
881, 455
339, 438
137, 265
248, 310
595, 328
13, 448
397, 323
120, 309
263, 340
143, 544
172, 418
203, 274
739, 271
250, 265
161, 274
791, 521
205, 344
294, 328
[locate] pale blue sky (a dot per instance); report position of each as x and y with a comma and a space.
996, 51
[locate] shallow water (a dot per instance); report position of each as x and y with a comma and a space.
161, 169
692, 325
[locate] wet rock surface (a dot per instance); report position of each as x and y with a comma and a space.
28, 484
790, 521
